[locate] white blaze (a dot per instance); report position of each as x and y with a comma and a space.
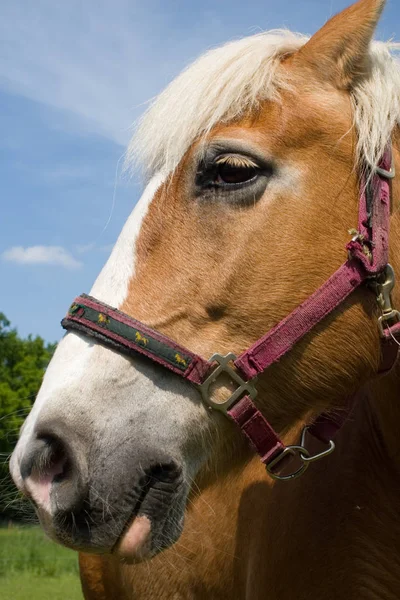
111, 286
72, 359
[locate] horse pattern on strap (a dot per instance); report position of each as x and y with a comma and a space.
125, 334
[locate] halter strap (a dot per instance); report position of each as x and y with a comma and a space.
368, 257
125, 334
367, 262
281, 338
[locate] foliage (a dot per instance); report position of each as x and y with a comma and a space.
22, 364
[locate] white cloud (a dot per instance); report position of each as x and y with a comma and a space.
41, 255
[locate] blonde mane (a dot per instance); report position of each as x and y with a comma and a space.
233, 79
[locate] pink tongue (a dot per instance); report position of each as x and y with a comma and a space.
133, 542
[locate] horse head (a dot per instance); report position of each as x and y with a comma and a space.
253, 157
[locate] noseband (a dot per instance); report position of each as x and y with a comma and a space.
367, 263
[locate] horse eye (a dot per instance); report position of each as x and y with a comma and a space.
230, 174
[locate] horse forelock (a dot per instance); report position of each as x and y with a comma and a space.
230, 81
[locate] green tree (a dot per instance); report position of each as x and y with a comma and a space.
22, 365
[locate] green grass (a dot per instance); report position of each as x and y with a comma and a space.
32, 567
26, 586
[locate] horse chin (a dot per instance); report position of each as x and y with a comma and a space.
149, 534
140, 540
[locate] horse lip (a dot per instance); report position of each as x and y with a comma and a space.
134, 544
130, 521
150, 514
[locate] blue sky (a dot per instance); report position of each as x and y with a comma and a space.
74, 76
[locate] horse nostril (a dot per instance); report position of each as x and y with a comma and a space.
166, 473
51, 474
44, 459
157, 480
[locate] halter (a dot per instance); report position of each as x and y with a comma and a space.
367, 263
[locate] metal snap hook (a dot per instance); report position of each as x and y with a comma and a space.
384, 287
302, 453
319, 455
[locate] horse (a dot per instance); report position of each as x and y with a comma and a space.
257, 160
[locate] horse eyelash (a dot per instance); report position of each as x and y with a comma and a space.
240, 162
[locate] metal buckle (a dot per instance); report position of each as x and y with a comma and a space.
244, 387
302, 453
384, 286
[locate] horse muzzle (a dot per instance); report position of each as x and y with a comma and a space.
133, 504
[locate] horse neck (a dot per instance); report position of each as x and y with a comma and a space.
382, 411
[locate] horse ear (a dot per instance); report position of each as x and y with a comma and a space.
339, 51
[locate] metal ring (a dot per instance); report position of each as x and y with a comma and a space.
301, 452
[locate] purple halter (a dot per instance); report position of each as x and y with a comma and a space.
367, 263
